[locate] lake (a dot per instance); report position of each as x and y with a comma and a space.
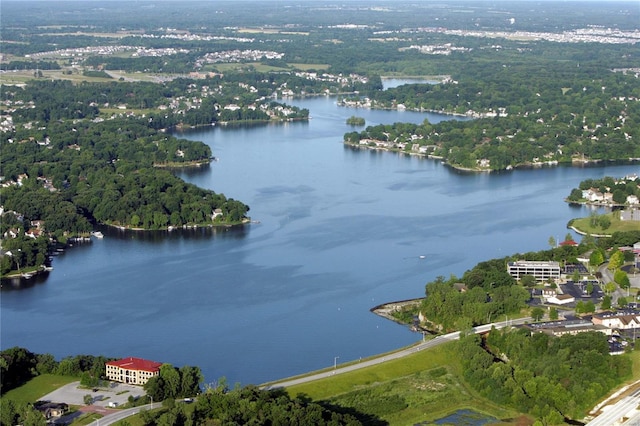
340, 230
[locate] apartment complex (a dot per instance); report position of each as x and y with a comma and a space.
134, 371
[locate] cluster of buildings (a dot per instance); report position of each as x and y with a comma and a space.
238, 56
594, 196
613, 324
582, 35
436, 49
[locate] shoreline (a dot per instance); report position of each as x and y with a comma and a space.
528, 165
385, 310
185, 227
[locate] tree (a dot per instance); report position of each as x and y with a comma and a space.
588, 240
537, 313
616, 260
589, 288
171, 379
191, 378
604, 222
88, 399
552, 242
606, 303
622, 279
596, 258
528, 280
575, 277
553, 314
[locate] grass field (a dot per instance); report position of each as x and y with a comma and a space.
422, 387
617, 225
38, 387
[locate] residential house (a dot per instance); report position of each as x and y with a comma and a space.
592, 195
51, 410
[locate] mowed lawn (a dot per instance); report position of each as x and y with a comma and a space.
38, 387
584, 225
422, 387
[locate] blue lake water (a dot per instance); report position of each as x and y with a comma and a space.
341, 230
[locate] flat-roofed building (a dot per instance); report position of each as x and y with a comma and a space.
134, 371
541, 271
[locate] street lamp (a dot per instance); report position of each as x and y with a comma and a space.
335, 362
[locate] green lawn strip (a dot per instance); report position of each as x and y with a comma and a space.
86, 419
421, 387
38, 387
617, 225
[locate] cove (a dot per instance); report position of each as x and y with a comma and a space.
340, 230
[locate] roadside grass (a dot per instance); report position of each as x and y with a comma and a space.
635, 369
584, 225
38, 387
86, 419
424, 386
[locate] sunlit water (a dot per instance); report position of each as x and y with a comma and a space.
340, 230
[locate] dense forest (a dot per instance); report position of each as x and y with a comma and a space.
82, 166
553, 378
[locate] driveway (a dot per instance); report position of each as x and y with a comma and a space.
73, 394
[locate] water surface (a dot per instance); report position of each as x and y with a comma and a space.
340, 230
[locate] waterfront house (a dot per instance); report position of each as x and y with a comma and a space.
134, 371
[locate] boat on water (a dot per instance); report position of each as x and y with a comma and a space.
27, 275
97, 234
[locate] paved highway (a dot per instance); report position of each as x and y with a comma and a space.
623, 412
388, 357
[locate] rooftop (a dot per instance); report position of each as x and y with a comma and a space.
132, 363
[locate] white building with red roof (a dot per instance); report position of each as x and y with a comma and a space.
134, 371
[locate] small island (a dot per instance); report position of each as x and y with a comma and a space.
355, 121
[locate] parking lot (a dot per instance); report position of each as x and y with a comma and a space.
73, 394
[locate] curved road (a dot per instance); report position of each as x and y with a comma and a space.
388, 357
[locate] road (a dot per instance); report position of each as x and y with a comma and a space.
122, 414
392, 356
623, 412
